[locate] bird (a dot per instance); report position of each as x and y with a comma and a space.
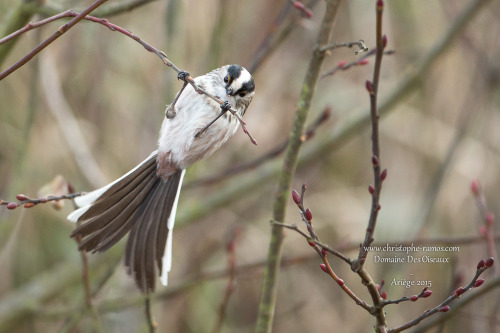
143, 202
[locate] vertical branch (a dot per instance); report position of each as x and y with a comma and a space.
372, 88
270, 284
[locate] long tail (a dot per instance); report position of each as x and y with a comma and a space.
139, 202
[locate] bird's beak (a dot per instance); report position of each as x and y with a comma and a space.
229, 92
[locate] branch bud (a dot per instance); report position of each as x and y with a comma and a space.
414, 298
489, 262
323, 268
12, 205
383, 294
480, 264
29, 204
380, 5
426, 293
384, 41
340, 282
308, 214
459, 291
475, 186
21, 197
323, 252
383, 175
371, 189
363, 62
478, 283
369, 87
341, 64
490, 218
296, 197
445, 308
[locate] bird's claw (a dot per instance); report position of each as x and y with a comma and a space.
182, 75
225, 106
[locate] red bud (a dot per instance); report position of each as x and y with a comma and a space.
426, 293
478, 283
299, 5
380, 4
12, 205
383, 175
383, 294
475, 186
413, 298
480, 264
375, 160
340, 282
29, 204
489, 262
323, 252
323, 267
363, 62
459, 291
308, 214
21, 197
43, 200
371, 189
490, 218
445, 308
384, 41
308, 12
482, 230
342, 63
369, 87
296, 197
378, 287
311, 243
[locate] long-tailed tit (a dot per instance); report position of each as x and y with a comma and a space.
144, 201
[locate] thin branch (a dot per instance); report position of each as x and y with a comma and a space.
372, 88
343, 65
112, 27
231, 273
52, 38
443, 306
360, 44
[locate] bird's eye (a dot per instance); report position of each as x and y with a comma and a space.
226, 79
242, 94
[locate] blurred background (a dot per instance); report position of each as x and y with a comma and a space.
89, 108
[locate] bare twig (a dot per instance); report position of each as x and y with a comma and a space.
372, 88
112, 27
231, 273
487, 230
343, 65
26, 202
443, 306
52, 38
360, 44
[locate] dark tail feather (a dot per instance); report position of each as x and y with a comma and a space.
140, 202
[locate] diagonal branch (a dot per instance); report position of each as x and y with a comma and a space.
270, 284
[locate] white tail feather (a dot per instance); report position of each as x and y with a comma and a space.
167, 255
